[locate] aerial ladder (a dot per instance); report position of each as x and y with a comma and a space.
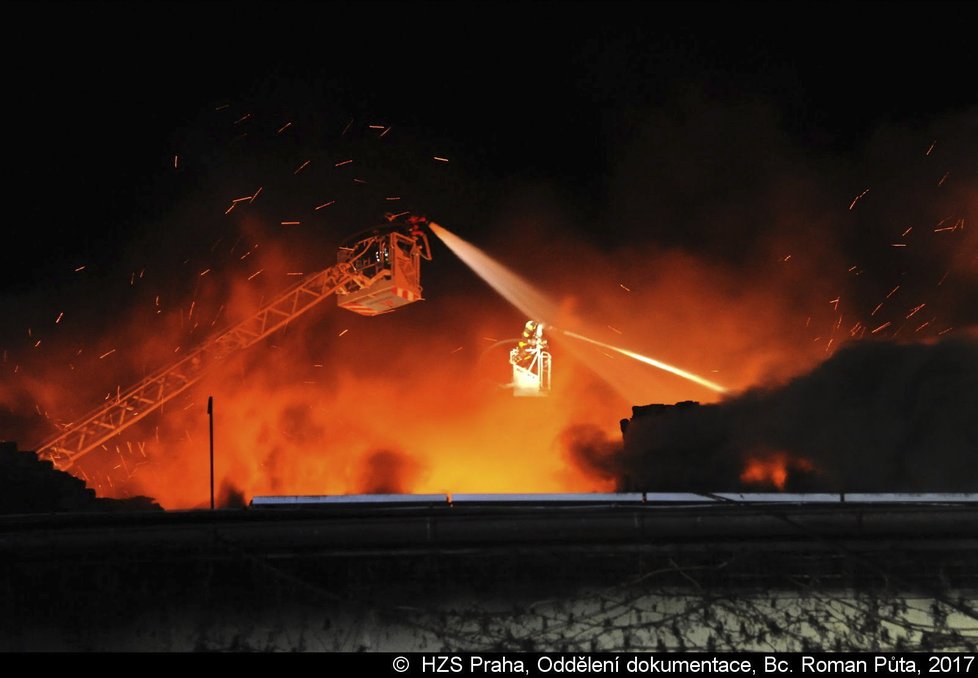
376, 272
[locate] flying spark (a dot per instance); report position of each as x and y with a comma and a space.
856, 199
882, 327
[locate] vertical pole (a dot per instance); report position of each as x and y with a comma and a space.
210, 414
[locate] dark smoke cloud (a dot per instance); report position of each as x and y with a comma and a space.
591, 450
231, 496
876, 417
387, 472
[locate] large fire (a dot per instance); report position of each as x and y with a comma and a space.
414, 401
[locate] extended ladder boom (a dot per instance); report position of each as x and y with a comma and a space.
358, 270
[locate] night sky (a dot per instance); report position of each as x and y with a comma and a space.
515, 92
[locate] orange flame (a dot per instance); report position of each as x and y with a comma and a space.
773, 468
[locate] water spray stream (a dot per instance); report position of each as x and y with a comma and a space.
513, 288
534, 304
651, 361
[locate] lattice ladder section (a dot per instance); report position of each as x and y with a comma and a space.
153, 391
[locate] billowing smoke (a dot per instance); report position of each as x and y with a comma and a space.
388, 472
230, 496
591, 449
875, 417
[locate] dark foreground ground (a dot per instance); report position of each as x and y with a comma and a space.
604, 576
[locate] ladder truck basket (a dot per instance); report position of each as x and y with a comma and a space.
531, 362
385, 277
